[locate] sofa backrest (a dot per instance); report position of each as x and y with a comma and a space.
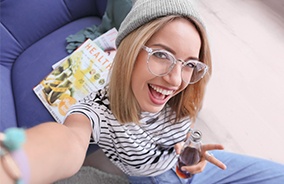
24, 23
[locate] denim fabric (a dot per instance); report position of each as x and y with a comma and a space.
168, 177
240, 170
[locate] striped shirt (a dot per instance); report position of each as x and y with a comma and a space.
146, 149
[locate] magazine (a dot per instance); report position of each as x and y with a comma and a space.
106, 42
83, 71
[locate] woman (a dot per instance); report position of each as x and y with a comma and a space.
142, 117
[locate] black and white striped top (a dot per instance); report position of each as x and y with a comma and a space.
146, 149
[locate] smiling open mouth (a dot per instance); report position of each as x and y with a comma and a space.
159, 93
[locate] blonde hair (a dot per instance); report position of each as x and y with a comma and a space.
123, 103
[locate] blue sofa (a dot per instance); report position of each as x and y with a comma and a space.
33, 37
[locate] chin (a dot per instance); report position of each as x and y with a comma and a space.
152, 109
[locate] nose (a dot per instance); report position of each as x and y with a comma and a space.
174, 77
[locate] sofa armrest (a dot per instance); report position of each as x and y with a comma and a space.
33, 39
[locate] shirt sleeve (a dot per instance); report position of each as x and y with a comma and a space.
91, 109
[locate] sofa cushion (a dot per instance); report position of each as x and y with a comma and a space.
9, 49
26, 28
7, 109
34, 64
35, 19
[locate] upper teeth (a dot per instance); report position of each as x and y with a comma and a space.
163, 91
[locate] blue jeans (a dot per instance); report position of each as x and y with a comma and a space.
240, 170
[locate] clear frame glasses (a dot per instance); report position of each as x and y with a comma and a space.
161, 62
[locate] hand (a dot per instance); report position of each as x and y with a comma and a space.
205, 156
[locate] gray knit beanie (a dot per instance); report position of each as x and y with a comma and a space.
144, 11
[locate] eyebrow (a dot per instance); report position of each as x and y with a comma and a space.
165, 48
172, 51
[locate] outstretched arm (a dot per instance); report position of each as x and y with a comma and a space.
56, 151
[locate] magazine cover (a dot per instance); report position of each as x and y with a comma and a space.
106, 42
85, 70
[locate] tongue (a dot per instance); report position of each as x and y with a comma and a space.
157, 95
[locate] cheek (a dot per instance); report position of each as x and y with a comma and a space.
141, 62
140, 70
137, 76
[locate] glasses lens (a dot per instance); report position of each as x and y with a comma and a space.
193, 71
160, 63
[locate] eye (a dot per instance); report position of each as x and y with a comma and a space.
190, 64
161, 55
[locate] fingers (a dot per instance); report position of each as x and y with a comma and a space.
210, 158
194, 169
197, 168
178, 147
207, 147
205, 156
